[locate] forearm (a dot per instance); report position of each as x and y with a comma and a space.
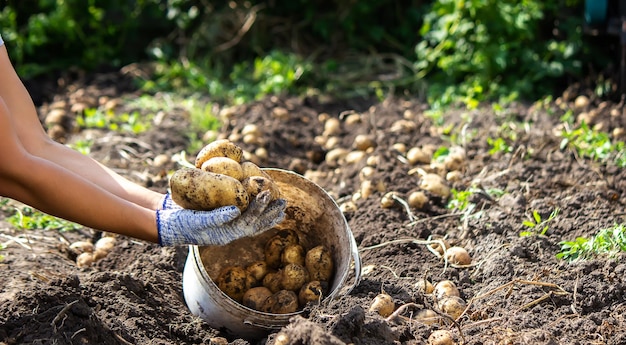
73, 198
99, 174
34, 139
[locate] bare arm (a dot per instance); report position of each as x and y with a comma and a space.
36, 142
62, 193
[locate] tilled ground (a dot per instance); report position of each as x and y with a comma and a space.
516, 290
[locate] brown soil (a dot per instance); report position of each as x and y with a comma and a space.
518, 292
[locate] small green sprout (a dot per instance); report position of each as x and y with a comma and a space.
498, 145
28, 218
608, 241
538, 226
461, 200
587, 143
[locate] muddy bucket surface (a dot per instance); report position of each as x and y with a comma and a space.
318, 221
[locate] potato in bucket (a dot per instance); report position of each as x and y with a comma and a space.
316, 219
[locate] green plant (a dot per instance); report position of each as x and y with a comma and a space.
28, 218
202, 121
597, 145
537, 225
133, 122
461, 200
498, 145
608, 241
82, 146
488, 49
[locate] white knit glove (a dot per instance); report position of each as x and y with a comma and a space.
179, 226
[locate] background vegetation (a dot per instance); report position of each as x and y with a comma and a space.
447, 50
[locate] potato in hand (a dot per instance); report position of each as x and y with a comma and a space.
196, 189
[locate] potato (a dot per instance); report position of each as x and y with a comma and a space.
437, 246
224, 166
458, 256
196, 189
445, 288
232, 281
256, 184
255, 297
84, 259
219, 148
282, 339
454, 306
417, 200
312, 291
441, 337
293, 277
293, 254
282, 302
424, 286
105, 244
435, 184
383, 304
274, 247
100, 254
80, 247
251, 169
428, 317
272, 281
319, 263
257, 269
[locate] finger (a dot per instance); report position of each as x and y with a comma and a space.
220, 215
258, 205
273, 215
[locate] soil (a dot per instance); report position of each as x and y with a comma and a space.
515, 289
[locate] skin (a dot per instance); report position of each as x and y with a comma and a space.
57, 180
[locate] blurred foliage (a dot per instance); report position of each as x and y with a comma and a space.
480, 49
450, 50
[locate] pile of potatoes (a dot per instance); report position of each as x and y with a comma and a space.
286, 280
446, 296
220, 178
88, 252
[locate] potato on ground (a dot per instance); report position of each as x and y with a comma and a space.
319, 263
196, 189
282, 302
255, 297
233, 281
445, 288
224, 166
383, 304
219, 148
454, 306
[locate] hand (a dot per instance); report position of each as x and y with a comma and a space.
168, 203
220, 226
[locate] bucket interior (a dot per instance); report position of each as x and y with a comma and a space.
311, 212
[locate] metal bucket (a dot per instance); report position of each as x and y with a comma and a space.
319, 221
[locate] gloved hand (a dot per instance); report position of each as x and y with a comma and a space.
168, 203
219, 226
